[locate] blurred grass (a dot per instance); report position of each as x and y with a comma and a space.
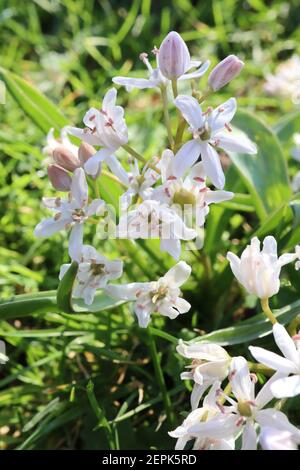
70, 50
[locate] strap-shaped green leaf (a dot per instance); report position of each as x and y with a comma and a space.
64, 291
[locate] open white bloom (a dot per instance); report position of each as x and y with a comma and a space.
151, 219
189, 194
70, 213
259, 271
285, 81
162, 296
247, 410
3, 356
210, 129
278, 439
173, 61
289, 364
139, 183
105, 128
208, 411
94, 272
210, 362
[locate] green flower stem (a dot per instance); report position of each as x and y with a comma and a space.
260, 368
160, 377
166, 114
179, 133
267, 311
139, 157
174, 88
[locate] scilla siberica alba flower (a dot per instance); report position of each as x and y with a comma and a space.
189, 192
210, 129
224, 72
289, 364
70, 213
278, 439
94, 272
259, 271
173, 61
210, 362
162, 296
212, 438
105, 128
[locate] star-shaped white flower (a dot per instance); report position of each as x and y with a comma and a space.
210, 362
105, 128
289, 364
210, 129
71, 213
94, 272
162, 296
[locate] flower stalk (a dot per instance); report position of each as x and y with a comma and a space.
267, 311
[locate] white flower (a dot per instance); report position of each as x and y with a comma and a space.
70, 213
210, 129
162, 296
285, 81
247, 410
139, 183
211, 440
94, 271
166, 64
278, 439
289, 364
259, 271
189, 193
105, 128
210, 362
3, 356
297, 250
151, 219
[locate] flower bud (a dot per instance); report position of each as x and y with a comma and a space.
65, 158
173, 56
60, 179
85, 152
224, 72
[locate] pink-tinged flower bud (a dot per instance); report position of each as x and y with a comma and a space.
85, 152
60, 179
224, 72
173, 56
65, 158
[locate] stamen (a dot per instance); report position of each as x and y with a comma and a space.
228, 127
198, 179
208, 111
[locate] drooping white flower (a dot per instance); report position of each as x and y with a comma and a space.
211, 440
162, 296
210, 362
151, 219
278, 439
259, 271
247, 410
189, 194
105, 128
94, 272
139, 183
3, 356
173, 61
210, 129
289, 364
70, 213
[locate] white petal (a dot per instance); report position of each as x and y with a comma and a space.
178, 274
79, 188
276, 439
265, 395
92, 164
96, 207
212, 165
234, 143
219, 427
197, 393
222, 115
48, 227
182, 305
278, 420
197, 74
63, 269
285, 343
272, 360
249, 437
87, 137
242, 385
286, 387
191, 110
130, 83
109, 99
173, 247
186, 157
76, 242
127, 291
143, 313
286, 258
218, 196
117, 169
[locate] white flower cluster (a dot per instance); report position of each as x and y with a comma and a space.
168, 198
237, 412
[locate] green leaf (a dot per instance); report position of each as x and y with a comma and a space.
252, 329
42, 112
65, 288
288, 126
265, 174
